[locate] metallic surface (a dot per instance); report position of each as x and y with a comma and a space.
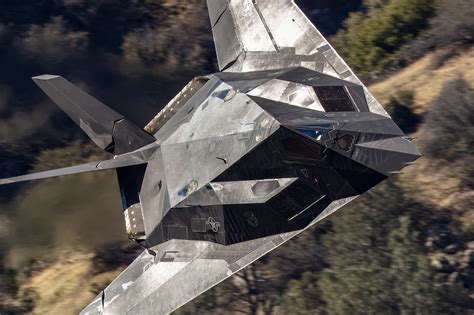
296, 41
240, 161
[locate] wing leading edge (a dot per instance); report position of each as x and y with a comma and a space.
109, 130
135, 158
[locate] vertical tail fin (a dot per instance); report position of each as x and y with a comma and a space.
108, 129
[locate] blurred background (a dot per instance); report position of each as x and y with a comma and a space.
406, 247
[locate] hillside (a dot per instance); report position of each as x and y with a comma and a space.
405, 247
426, 76
69, 279
71, 284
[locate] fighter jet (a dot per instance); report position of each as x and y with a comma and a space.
240, 161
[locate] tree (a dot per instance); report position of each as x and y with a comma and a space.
357, 281
223, 298
377, 262
452, 25
303, 296
370, 41
410, 272
400, 108
273, 282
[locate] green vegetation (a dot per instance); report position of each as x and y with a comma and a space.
389, 34
302, 296
377, 265
358, 278
371, 40
452, 27
411, 274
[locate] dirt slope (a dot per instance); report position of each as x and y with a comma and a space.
426, 76
67, 285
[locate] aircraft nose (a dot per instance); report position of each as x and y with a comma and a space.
387, 156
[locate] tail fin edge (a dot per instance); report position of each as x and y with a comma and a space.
108, 129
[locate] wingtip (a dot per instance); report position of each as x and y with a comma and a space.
45, 77
5, 181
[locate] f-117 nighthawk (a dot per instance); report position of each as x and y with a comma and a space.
240, 161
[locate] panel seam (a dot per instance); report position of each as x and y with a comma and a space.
254, 2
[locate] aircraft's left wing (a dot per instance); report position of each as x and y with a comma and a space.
167, 276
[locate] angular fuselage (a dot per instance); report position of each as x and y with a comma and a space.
249, 155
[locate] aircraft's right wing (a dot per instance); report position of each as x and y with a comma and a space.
129, 159
261, 34
254, 35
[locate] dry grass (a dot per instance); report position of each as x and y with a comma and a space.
58, 214
426, 77
428, 183
67, 285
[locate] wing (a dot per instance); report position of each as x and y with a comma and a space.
253, 35
171, 274
135, 158
245, 31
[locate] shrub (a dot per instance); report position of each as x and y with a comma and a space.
452, 24
448, 135
52, 42
370, 41
400, 108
